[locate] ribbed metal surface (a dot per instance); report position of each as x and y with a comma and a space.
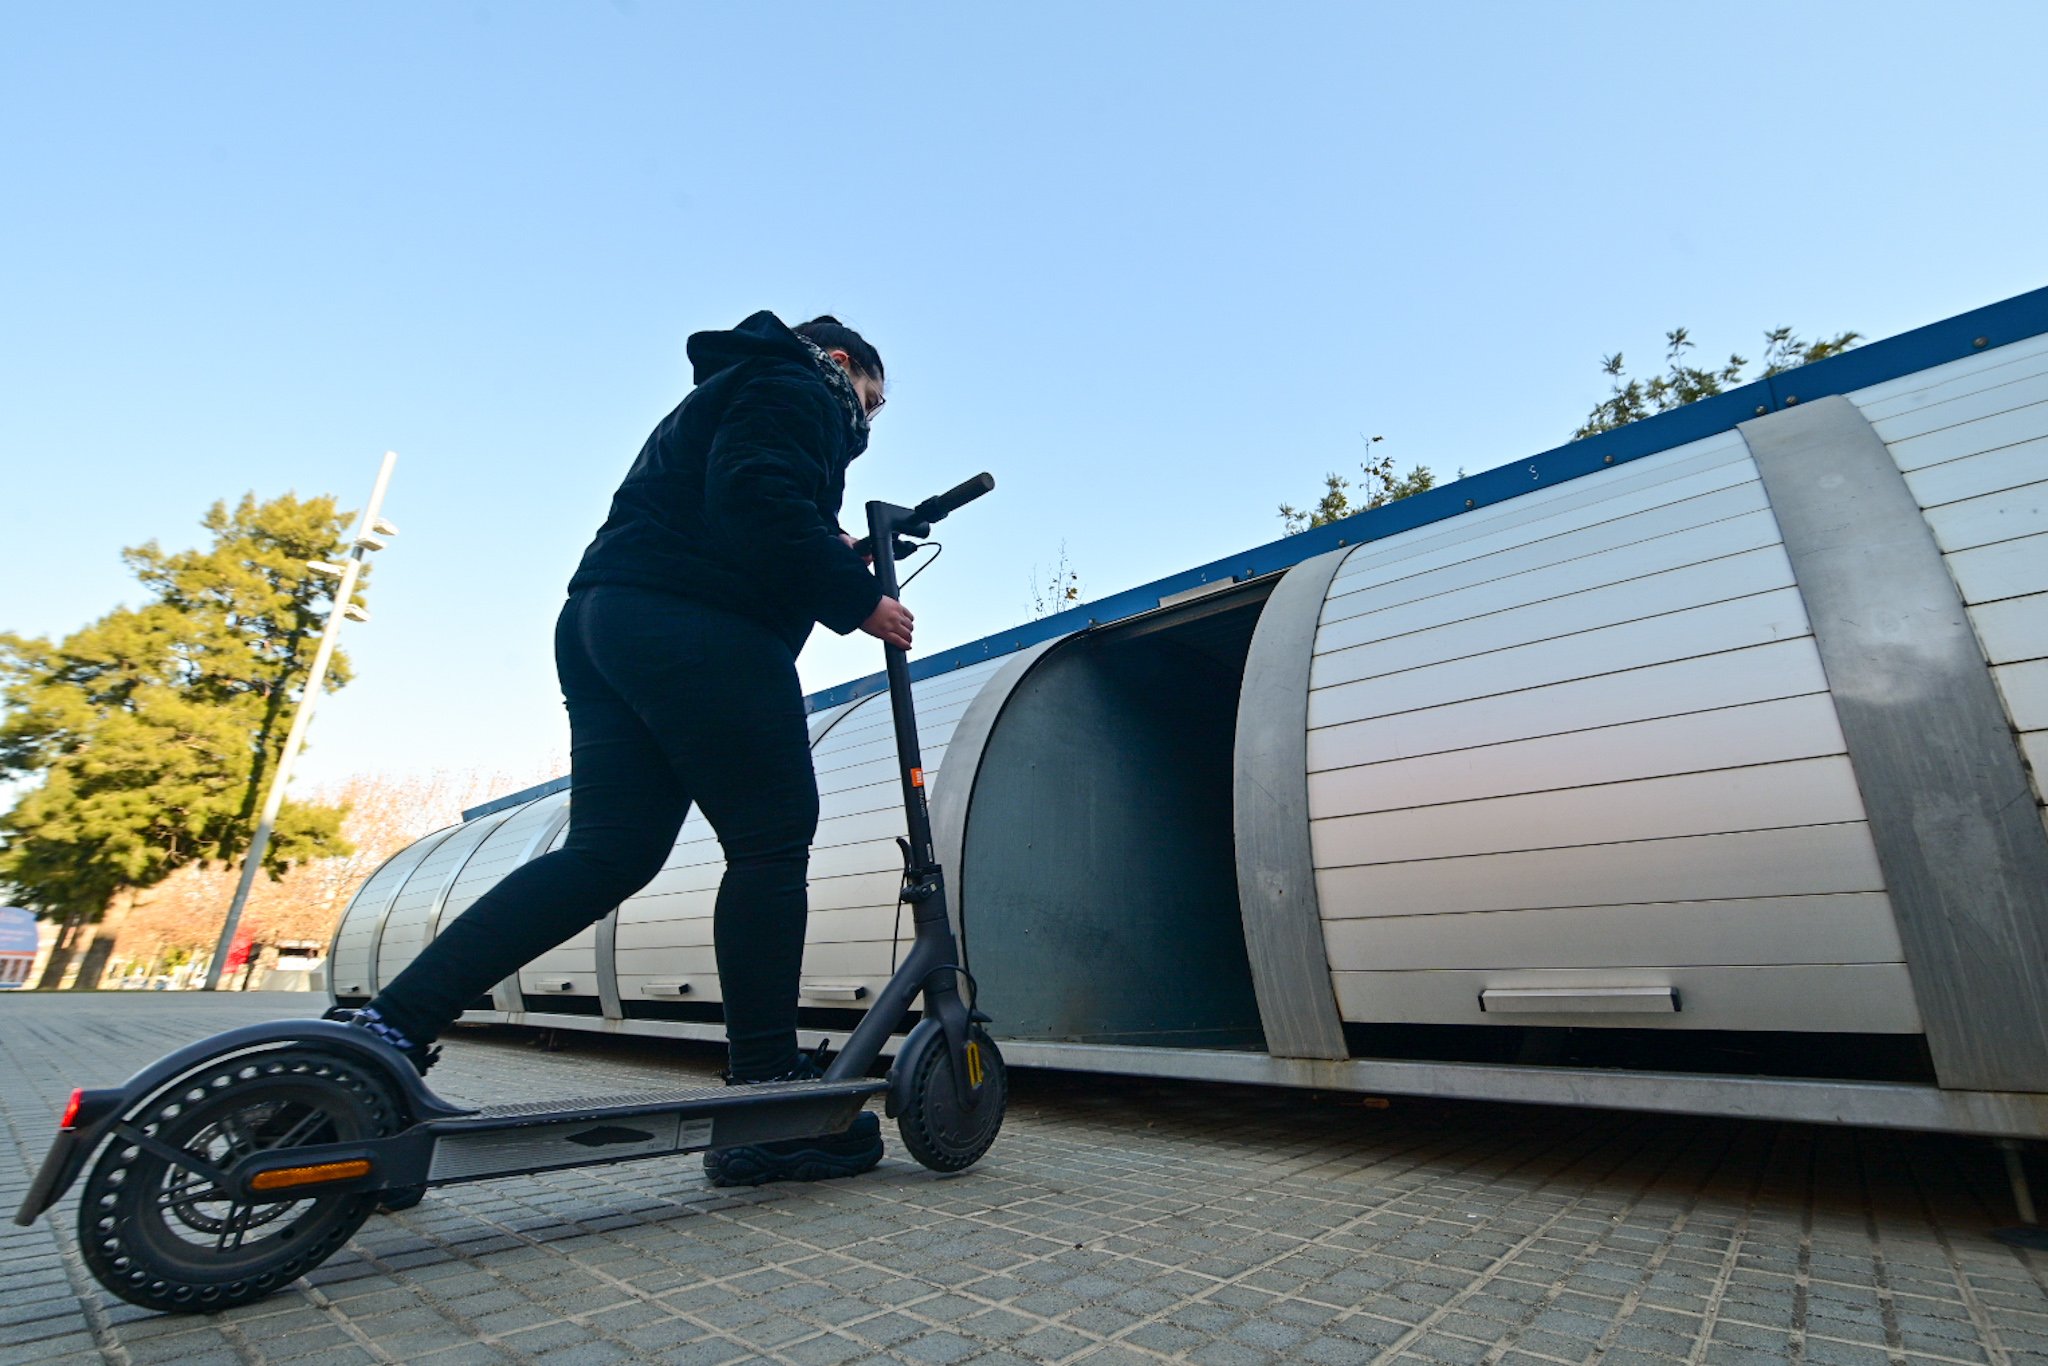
664, 933
506, 848
1528, 722
466, 1156
1960, 843
581, 1103
766, 1091
408, 923
353, 961
1971, 438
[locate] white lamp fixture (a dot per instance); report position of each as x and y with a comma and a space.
371, 533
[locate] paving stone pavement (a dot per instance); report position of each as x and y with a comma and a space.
1115, 1221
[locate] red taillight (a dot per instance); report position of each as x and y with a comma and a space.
71, 1111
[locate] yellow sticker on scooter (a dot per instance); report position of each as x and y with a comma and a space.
974, 1072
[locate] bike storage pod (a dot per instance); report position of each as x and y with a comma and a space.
1692, 767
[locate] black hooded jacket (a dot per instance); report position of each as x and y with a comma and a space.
734, 500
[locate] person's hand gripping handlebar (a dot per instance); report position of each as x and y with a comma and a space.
891, 621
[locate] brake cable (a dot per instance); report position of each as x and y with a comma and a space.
935, 547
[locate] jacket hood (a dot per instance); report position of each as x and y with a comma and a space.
761, 337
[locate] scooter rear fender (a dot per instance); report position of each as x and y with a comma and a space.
100, 1110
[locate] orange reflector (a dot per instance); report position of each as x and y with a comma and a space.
974, 1068
71, 1111
917, 777
284, 1178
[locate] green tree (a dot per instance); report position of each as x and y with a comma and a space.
1683, 383
153, 730
1379, 487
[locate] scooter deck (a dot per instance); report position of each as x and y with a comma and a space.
451, 1143
539, 1135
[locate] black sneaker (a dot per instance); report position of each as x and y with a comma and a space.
824, 1158
421, 1056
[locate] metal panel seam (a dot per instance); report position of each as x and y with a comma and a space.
334, 941
964, 751
607, 951
1963, 853
496, 819
845, 710
507, 992
1276, 882
370, 974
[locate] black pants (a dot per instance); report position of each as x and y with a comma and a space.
669, 703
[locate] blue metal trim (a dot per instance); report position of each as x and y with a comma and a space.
2014, 319
1966, 334
519, 798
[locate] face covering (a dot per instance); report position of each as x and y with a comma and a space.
841, 385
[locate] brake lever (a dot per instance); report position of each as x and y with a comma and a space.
865, 548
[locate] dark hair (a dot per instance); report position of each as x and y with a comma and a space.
827, 333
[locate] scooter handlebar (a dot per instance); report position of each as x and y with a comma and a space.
953, 499
929, 511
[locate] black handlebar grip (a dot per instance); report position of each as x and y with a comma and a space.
938, 505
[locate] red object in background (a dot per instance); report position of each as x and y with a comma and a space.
238, 952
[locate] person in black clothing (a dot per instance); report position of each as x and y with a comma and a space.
677, 655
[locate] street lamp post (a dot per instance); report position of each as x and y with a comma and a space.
371, 532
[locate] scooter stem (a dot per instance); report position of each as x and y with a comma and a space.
933, 963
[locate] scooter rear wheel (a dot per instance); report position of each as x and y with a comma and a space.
939, 1132
162, 1235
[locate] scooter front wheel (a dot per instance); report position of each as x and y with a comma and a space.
159, 1232
939, 1131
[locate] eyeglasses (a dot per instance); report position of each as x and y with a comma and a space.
876, 406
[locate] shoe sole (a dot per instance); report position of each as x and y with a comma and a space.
750, 1166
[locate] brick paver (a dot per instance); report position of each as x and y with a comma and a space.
1115, 1221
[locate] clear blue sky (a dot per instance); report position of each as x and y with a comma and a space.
1157, 266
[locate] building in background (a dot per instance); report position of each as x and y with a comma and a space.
17, 947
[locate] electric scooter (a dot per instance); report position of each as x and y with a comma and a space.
234, 1166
